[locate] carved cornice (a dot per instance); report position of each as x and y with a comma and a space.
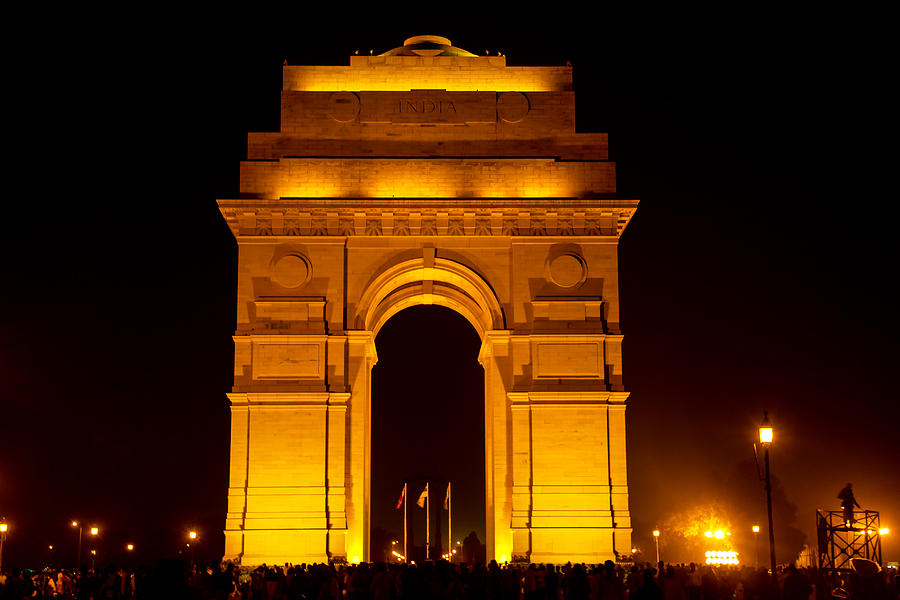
418, 217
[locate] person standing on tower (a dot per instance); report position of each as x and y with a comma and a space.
847, 503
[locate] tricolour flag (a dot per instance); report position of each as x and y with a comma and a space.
422, 497
447, 498
402, 496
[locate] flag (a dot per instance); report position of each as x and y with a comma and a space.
422, 497
402, 496
447, 498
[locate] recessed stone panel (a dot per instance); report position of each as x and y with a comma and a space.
568, 360
287, 361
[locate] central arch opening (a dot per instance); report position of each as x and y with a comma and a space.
427, 426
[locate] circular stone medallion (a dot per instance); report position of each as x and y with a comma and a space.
567, 270
291, 271
512, 107
344, 106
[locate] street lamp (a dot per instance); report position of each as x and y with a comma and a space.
766, 438
756, 537
656, 537
93, 556
4, 529
80, 530
192, 535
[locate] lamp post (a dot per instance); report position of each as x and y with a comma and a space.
883, 532
80, 528
756, 538
4, 529
192, 535
656, 537
766, 437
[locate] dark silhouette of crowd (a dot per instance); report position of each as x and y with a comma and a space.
442, 580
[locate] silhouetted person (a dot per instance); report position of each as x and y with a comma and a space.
796, 585
649, 589
847, 503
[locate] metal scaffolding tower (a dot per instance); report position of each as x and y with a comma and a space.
842, 541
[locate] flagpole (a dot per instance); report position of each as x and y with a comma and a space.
427, 522
405, 559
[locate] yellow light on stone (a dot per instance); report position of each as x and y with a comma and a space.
95, 530
756, 529
192, 535
656, 533
4, 527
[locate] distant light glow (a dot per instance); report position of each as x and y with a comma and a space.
656, 533
398, 555
95, 530
129, 547
722, 557
719, 534
4, 527
756, 529
884, 531
192, 535
708, 534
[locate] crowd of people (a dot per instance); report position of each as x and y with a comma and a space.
439, 581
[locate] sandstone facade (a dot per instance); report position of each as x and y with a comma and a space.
427, 176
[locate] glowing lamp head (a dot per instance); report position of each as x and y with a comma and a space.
766, 432
756, 529
719, 534
4, 527
192, 535
95, 530
74, 523
884, 531
50, 547
93, 553
656, 533
708, 534
129, 547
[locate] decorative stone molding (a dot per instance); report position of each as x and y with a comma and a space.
481, 217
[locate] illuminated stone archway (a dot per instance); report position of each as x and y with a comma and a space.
421, 191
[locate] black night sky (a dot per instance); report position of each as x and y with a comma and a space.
758, 273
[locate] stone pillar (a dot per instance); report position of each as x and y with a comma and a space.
277, 496
494, 358
362, 357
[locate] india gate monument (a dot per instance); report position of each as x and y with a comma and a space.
427, 175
